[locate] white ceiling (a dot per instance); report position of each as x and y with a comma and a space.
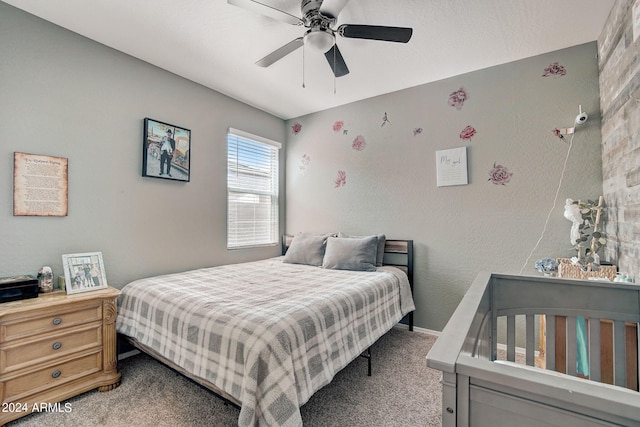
217, 44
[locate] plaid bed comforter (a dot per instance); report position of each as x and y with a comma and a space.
268, 333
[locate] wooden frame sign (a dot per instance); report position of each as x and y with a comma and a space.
40, 185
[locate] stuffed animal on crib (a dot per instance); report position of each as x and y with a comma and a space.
572, 213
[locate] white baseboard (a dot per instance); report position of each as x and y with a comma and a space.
519, 350
128, 354
417, 329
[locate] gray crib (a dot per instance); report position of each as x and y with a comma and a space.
480, 390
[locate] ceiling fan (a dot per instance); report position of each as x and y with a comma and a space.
320, 17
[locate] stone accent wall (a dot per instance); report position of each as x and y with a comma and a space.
619, 64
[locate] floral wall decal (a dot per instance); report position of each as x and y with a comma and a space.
555, 70
304, 162
341, 179
457, 98
359, 143
499, 175
296, 128
467, 132
385, 119
339, 126
417, 131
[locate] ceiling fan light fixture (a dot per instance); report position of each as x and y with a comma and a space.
320, 18
319, 39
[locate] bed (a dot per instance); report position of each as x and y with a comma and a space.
266, 335
479, 388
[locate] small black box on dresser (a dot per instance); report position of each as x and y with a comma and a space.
18, 287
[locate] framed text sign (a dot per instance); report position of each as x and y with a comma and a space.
40, 185
451, 166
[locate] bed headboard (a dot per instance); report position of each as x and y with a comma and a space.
398, 253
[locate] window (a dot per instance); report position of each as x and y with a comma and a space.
252, 190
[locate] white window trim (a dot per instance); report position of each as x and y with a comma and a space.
258, 139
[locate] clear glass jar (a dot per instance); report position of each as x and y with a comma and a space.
45, 280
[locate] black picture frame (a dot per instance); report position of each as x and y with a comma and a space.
166, 151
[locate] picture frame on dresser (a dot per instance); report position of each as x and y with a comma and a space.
84, 272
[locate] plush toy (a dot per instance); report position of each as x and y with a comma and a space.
572, 213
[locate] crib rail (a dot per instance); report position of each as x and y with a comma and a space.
578, 318
599, 349
596, 348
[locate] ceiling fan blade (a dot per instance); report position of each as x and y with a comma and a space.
376, 32
280, 53
336, 61
268, 11
332, 8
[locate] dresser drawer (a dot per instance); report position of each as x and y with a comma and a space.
49, 347
17, 388
44, 321
57, 346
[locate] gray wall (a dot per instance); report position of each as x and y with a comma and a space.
457, 231
64, 95
620, 104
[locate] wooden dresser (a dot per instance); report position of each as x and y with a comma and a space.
54, 347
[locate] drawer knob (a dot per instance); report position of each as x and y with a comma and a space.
56, 374
57, 345
57, 320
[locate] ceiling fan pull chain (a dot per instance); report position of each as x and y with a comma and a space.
303, 49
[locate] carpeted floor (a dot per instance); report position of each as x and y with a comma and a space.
401, 392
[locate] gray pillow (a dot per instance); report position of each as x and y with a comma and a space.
382, 239
357, 254
306, 249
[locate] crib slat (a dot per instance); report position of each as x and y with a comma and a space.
632, 355
530, 329
619, 351
571, 346
551, 343
594, 350
511, 338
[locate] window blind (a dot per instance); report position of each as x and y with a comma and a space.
252, 190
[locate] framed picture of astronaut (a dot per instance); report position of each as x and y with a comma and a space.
166, 151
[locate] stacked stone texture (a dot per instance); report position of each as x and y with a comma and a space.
619, 63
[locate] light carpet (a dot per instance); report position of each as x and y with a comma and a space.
402, 391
